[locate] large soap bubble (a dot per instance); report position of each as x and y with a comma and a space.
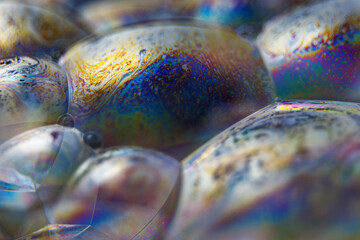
163, 84
255, 158
315, 201
312, 52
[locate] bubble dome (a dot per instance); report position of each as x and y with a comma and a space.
120, 83
250, 161
34, 92
312, 51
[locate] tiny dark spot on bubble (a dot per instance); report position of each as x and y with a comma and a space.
229, 168
216, 176
320, 127
55, 135
217, 153
137, 159
197, 182
261, 135
93, 140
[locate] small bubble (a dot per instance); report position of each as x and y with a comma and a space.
93, 139
66, 120
142, 54
278, 99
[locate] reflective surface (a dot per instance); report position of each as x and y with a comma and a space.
319, 201
170, 75
163, 84
60, 232
34, 166
31, 30
108, 15
254, 158
33, 92
121, 193
247, 17
312, 53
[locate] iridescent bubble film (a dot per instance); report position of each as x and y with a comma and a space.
256, 156
245, 16
312, 53
98, 98
33, 92
121, 193
67, 13
64, 232
52, 5
3, 235
107, 15
34, 166
163, 84
31, 30
319, 200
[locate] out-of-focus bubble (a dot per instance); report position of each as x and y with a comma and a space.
247, 16
34, 166
47, 4
255, 158
66, 120
104, 16
162, 84
33, 92
122, 193
64, 232
78, 3
30, 30
3, 235
313, 52
40, 2
60, 8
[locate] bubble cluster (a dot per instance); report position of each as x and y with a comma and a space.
34, 166
121, 194
258, 101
